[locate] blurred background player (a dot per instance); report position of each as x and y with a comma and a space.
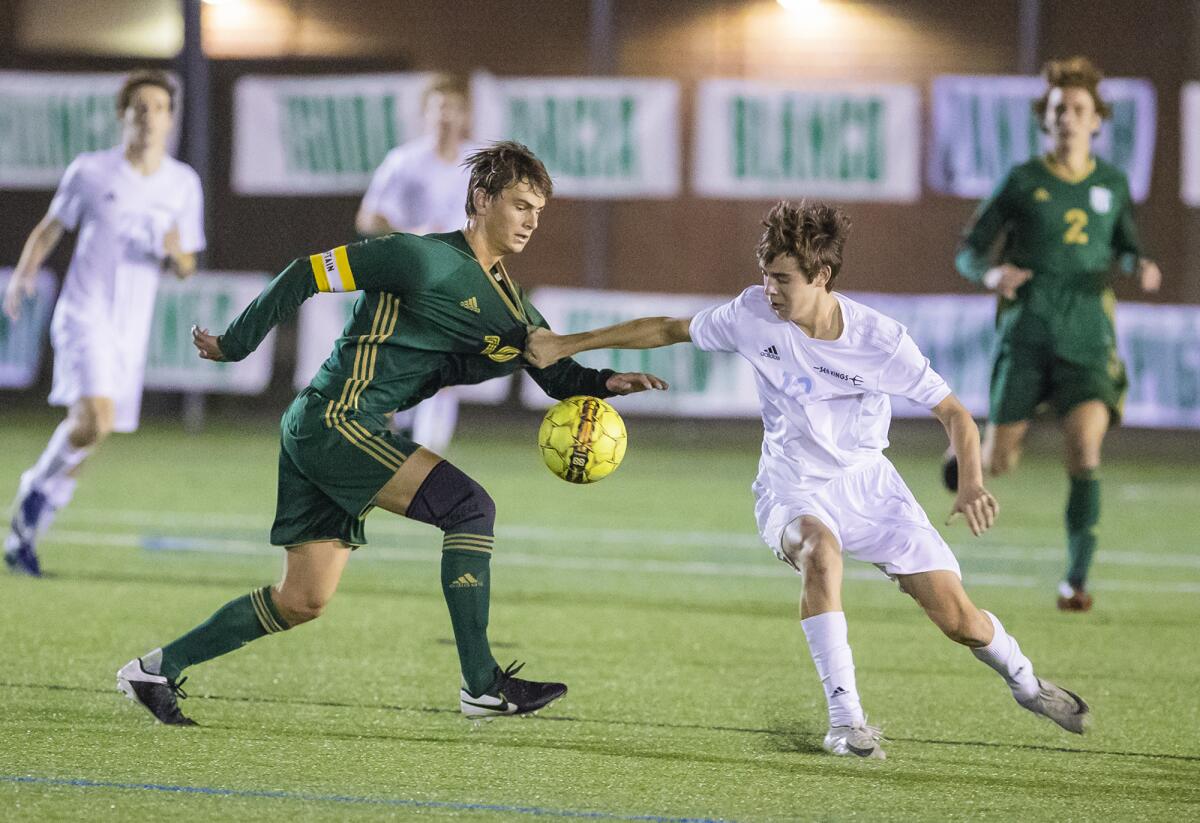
419, 189
824, 366
410, 335
1061, 219
138, 212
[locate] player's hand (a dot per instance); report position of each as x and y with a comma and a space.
631, 382
19, 290
208, 344
977, 505
1006, 278
1149, 275
543, 347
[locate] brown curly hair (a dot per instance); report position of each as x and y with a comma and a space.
813, 233
1072, 73
502, 164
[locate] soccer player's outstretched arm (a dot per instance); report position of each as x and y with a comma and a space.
371, 265
38, 246
544, 348
559, 376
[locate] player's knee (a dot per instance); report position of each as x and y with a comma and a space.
302, 607
88, 432
1003, 461
820, 558
452, 501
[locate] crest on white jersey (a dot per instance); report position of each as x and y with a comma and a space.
1101, 199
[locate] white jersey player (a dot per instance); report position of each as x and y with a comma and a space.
419, 189
825, 367
138, 212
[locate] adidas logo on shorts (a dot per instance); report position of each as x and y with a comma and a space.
467, 581
770, 352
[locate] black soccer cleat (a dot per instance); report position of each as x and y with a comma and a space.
950, 473
157, 693
510, 695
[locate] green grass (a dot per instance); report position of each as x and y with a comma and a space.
692, 694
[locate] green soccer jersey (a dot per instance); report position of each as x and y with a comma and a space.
429, 316
1067, 232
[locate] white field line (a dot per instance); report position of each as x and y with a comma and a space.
628, 537
590, 563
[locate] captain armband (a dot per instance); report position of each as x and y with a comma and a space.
332, 272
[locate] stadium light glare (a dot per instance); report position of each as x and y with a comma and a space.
800, 5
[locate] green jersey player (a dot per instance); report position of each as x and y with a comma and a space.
435, 311
1061, 220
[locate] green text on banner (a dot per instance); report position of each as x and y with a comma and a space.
320, 135
599, 137
845, 141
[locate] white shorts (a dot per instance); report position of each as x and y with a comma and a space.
85, 365
873, 516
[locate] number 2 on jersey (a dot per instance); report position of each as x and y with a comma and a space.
1077, 220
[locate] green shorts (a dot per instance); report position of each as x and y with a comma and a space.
1026, 377
331, 466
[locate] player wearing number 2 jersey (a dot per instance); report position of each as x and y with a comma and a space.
1061, 221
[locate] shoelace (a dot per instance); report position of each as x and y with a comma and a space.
511, 671
177, 688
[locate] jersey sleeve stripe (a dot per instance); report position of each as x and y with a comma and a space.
342, 264
318, 267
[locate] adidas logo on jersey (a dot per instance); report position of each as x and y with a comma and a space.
470, 304
467, 581
1040, 195
770, 352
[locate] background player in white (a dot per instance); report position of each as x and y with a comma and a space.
419, 189
824, 366
138, 212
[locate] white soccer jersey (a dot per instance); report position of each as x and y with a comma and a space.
825, 405
101, 322
417, 191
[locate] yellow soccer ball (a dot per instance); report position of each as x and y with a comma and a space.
582, 439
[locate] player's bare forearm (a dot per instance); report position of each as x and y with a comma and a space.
37, 248
973, 501
543, 347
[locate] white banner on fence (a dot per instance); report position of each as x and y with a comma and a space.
320, 135
211, 300
21, 342
322, 319
1189, 144
846, 141
1160, 346
599, 137
47, 118
984, 125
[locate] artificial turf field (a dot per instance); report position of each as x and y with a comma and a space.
692, 695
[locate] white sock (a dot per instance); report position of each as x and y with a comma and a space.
58, 458
1004, 655
58, 490
828, 642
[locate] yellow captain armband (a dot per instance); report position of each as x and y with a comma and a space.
331, 270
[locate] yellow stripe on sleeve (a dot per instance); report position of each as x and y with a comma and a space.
318, 266
343, 269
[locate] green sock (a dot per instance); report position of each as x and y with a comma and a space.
1083, 513
232, 626
466, 584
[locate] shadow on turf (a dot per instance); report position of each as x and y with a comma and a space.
790, 737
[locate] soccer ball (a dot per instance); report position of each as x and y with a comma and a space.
582, 439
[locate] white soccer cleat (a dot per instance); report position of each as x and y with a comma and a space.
855, 741
1064, 707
